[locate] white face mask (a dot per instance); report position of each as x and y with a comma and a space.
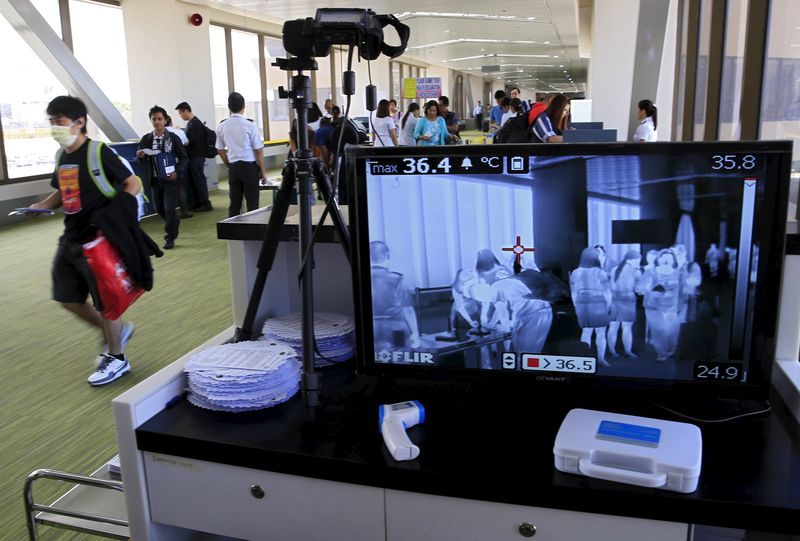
63, 135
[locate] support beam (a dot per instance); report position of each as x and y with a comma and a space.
58, 58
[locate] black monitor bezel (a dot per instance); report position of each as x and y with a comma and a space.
502, 382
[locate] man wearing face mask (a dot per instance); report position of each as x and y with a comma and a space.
79, 196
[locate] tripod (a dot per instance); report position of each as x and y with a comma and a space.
297, 171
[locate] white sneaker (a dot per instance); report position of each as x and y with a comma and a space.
124, 338
110, 369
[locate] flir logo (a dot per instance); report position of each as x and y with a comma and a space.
404, 357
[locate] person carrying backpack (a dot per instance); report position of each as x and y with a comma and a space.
82, 190
515, 129
198, 150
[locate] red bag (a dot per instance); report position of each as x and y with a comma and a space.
115, 287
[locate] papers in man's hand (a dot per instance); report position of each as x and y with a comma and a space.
150, 151
334, 334
244, 376
29, 210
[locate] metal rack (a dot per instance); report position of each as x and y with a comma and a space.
82, 508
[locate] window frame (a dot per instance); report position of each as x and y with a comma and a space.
66, 33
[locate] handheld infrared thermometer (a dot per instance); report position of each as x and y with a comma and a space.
394, 419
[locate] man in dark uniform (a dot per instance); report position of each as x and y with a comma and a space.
394, 320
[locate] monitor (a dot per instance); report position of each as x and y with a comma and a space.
641, 266
585, 125
589, 136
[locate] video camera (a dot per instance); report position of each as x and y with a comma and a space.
311, 37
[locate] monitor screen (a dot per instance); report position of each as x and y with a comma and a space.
653, 264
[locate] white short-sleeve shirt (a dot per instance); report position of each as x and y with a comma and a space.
240, 137
646, 131
381, 127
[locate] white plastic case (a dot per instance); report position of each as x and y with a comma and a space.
629, 449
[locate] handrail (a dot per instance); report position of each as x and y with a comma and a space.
31, 508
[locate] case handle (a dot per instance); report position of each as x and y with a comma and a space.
654, 480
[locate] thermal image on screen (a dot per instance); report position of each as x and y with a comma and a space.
613, 265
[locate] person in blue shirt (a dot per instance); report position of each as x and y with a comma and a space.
547, 127
517, 93
431, 128
496, 114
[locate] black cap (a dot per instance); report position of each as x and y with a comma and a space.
183, 106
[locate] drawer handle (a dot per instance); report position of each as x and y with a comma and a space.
526, 529
257, 491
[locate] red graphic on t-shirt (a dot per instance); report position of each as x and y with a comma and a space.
70, 186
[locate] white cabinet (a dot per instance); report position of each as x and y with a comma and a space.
221, 499
259, 505
422, 517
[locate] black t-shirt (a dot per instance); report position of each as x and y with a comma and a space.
79, 194
196, 133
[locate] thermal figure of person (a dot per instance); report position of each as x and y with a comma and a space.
519, 312
650, 263
489, 270
625, 279
394, 320
713, 255
591, 294
465, 312
691, 276
661, 288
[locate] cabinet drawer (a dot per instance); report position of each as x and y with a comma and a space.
218, 498
437, 518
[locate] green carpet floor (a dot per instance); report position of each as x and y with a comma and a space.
50, 416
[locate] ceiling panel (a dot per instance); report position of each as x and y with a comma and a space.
441, 31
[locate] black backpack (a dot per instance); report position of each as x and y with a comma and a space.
210, 142
515, 130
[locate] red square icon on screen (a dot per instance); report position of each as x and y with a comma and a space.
532, 362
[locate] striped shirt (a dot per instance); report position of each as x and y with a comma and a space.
542, 128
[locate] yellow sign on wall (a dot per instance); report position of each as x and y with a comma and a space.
410, 88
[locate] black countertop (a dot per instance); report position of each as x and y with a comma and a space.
750, 475
253, 225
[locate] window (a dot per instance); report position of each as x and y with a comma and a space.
278, 107
732, 70
247, 74
29, 148
50, 11
323, 77
94, 23
219, 72
780, 101
701, 84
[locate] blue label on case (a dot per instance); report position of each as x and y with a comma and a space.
632, 434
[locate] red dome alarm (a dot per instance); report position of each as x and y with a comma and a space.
196, 19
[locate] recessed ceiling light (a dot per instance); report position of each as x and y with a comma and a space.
561, 65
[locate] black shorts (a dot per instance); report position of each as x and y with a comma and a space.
72, 278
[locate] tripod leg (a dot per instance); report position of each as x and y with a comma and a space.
324, 185
269, 248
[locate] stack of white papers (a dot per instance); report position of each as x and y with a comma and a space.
334, 333
114, 469
244, 376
